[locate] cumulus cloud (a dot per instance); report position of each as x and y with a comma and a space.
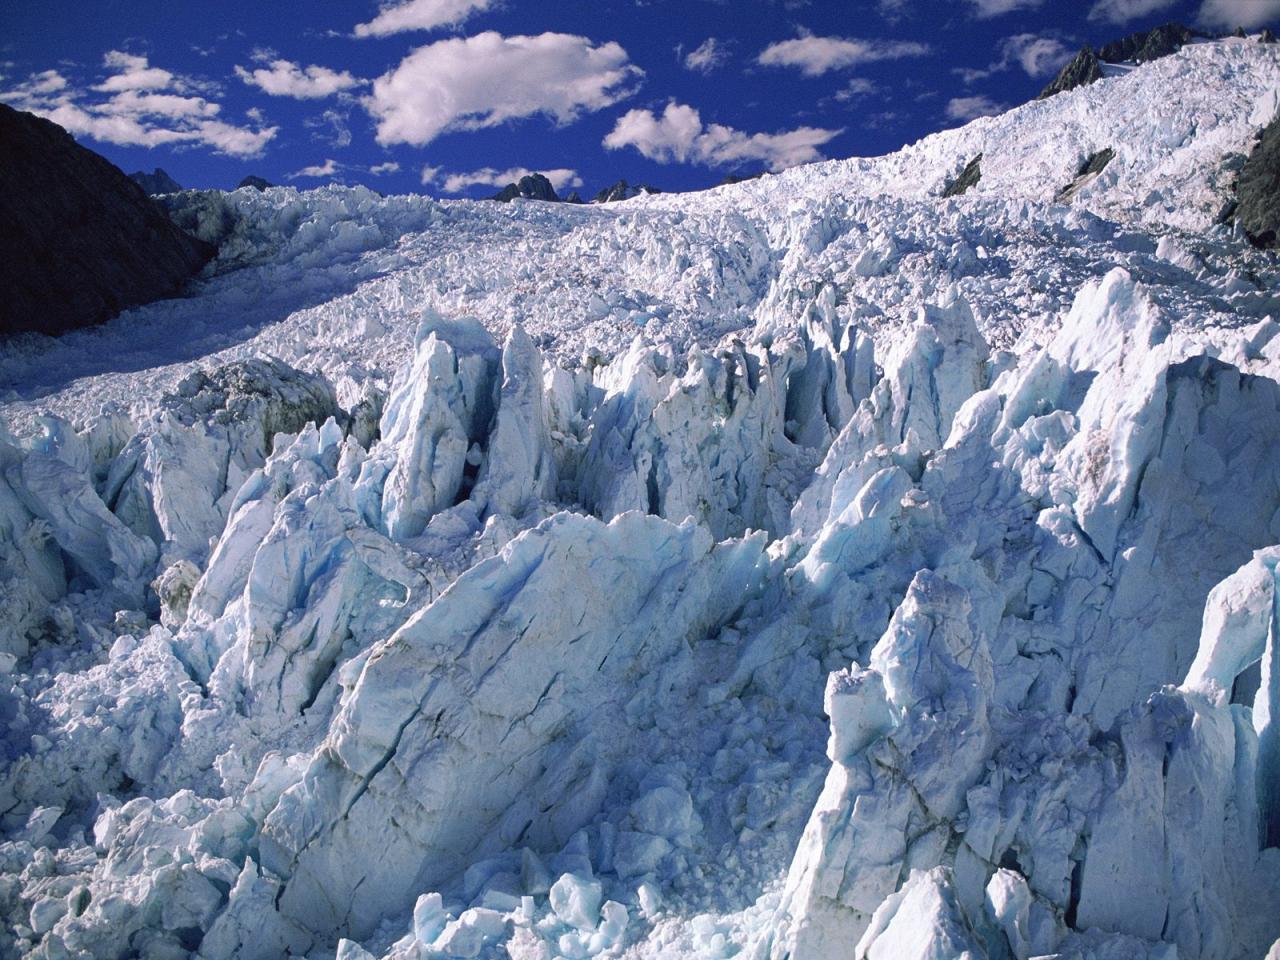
421, 15
284, 78
970, 108
389, 167
1229, 14
145, 106
985, 9
1122, 11
679, 136
490, 177
485, 80
708, 56
327, 169
814, 56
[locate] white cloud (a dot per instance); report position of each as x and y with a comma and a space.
995, 8
147, 107
1229, 14
421, 15
709, 55
284, 78
389, 167
970, 108
817, 55
327, 169
488, 79
490, 177
679, 136
1122, 11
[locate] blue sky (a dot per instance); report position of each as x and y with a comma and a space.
454, 97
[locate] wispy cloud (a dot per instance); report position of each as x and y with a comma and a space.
679, 136
1037, 56
814, 56
970, 108
985, 9
421, 15
1122, 11
1228, 14
327, 169
383, 168
707, 57
488, 79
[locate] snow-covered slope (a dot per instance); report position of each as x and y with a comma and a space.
809, 568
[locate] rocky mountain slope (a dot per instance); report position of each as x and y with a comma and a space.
813, 567
81, 241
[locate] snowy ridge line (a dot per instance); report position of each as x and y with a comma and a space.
466, 641
333, 280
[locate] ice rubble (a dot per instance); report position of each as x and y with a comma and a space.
504, 651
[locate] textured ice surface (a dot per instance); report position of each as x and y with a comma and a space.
810, 568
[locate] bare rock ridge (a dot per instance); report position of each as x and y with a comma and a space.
81, 241
623, 191
1141, 47
257, 183
969, 177
532, 187
157, 183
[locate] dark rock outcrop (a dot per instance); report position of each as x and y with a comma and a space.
257, 183
574, 197
740, 178
1084, 69
156, 184
533, 187
1090, 168
1257, 201
1148, 45
623, 191
1141, 47
967, 180
81, 241
1266, 36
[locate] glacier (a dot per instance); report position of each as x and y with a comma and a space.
811, 568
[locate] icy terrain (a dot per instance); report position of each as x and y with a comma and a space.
811, 568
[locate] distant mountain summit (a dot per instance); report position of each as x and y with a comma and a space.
81, 241
257, 183
532, 187
1141, 47
156, 183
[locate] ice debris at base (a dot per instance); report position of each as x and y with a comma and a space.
896, 579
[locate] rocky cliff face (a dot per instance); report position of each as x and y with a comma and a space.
81, 240
1258, 190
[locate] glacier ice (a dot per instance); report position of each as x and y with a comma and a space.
809, 568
